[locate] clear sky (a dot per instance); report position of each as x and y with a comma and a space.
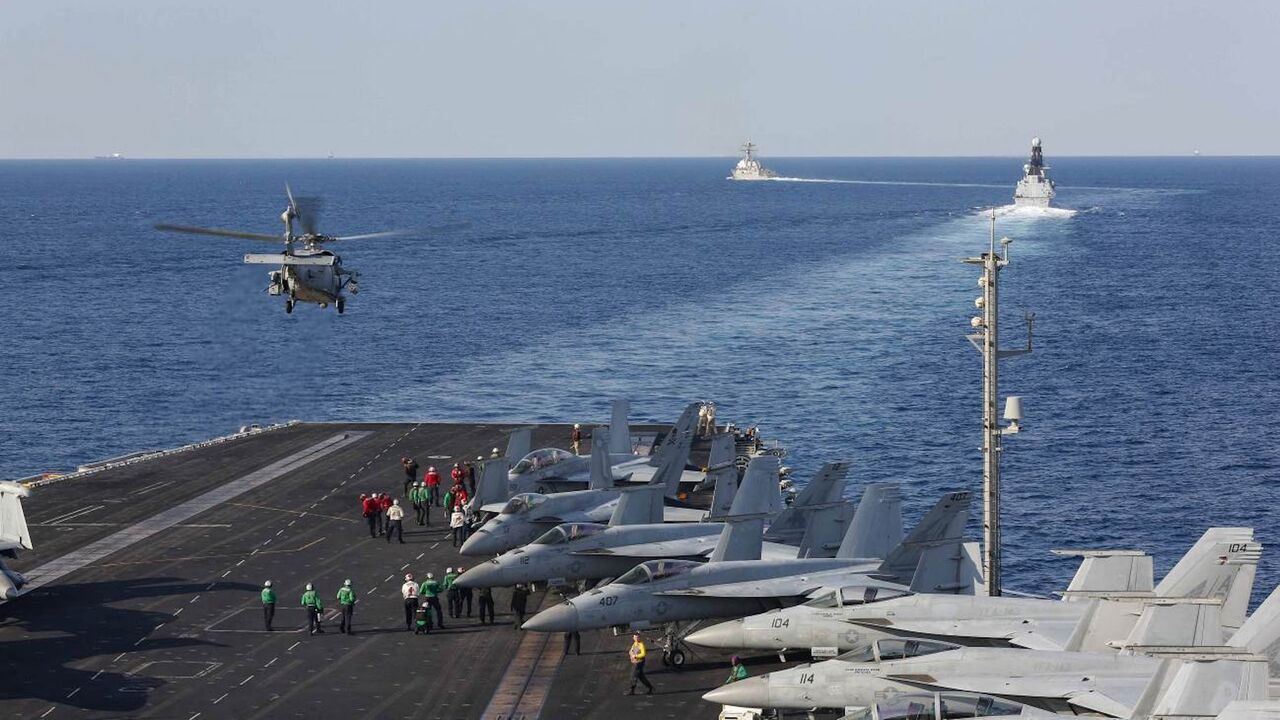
403, 78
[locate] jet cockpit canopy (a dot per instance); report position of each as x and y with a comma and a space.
655, 570
939, 706
524, 502
569, 532
539, 459
855, 595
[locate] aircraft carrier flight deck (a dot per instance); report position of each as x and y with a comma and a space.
145, 595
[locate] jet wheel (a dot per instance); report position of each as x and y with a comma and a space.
677, 658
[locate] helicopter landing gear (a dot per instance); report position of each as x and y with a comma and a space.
288, 305
341, 305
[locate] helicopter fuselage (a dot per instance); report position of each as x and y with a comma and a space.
307, 275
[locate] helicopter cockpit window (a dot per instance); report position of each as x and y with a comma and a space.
539, 459
862, 595
655, 570
523, 502
569, 532
825, 600
895, 649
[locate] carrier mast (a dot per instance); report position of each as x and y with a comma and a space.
986, 339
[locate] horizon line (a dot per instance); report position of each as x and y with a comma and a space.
215, 158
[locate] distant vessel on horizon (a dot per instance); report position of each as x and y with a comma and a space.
749, 168
1035, 189
112, 156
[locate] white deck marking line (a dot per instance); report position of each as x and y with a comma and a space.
221, 698
95, 675
273, 662
242, 682
239, 563
46, 712
72, 693
388, 578
179, 612
267, 541
420, 556
140, 641
157, 627
291, 522
118, 657
210, 585
291, 647
74, 514
433, 547
93, 552
193, 717
404, 566
370, 592
226, 573
194, 599
152, 486
279, 532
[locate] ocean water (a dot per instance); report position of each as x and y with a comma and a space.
832, 309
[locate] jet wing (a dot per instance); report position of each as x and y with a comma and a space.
785, 587
1017, 631
1113, 696
494, 508
686, 547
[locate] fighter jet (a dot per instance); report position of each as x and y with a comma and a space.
14, 536
1220, 565
1107, 683
591, 552
549, 470
736, 582
527, 516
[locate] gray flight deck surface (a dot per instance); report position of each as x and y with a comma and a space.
151, 572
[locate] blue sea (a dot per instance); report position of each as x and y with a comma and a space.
834, 314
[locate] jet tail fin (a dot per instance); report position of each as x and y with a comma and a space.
638, 506
1201, 688
601, 477
722, 474
1166, 624
1260, 634
1109, 571
14, 534
674, 456
877, 524
943, 524
1222, 564
519, 444
760, 493
492, 486
824, 490
741, 539
683, 427
954, 568
825, 530
619, 429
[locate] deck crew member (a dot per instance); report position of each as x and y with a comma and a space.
347, 604
409, 592
395, 521
495, 454
737, 671
384, 504
429, 593
636, 655
519, 602
575, 438
574, 638
470, 471
268, 605
369, 508
457, 527
418, 495
432, 479
410, 472
486, 604
451, 593
456, 474
464, 594
311, 601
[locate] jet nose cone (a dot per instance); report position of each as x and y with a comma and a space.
560, 618
487, 575
752, 692
727, 635
481, 544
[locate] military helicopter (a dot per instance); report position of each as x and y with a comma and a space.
308, 273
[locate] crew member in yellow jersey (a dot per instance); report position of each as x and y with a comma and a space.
636, 655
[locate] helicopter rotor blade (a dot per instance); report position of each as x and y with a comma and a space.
369, 236
293, 206
218, 232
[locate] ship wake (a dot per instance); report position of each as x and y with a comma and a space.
1030, 212
883, 182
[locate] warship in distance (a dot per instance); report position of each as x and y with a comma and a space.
1035, 189
749, 168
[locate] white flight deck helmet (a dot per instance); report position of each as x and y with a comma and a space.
433, 469
448, 570
430, 576
309, 587
495, 452
408, 576
577, 426
266, 584
396, 501
346, 583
